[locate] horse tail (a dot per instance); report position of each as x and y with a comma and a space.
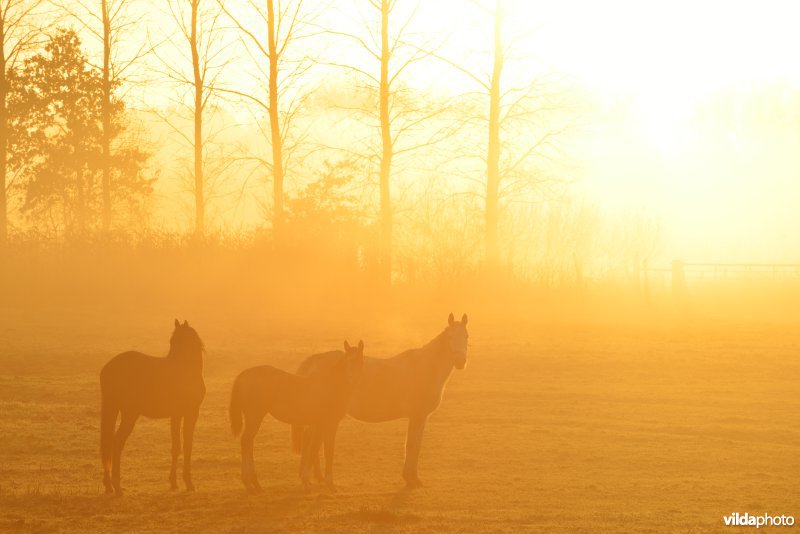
236, 407
108, 420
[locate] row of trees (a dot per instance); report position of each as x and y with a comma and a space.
64, 131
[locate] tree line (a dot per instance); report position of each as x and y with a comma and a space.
72, 153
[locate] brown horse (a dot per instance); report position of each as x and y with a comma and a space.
318, 400
408, 385
135, 384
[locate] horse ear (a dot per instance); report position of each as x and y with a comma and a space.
346, 346
464, 319
361, 346
177, 323
451, 319
186, 322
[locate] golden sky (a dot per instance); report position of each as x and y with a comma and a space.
727, 196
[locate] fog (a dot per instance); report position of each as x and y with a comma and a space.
604, 195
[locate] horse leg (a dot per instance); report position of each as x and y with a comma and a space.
175, 425
329, 439
251, 426
247, 451
108, 422
188, 437
416, 425
315, 459
124, 430
310, 451
305, 453
107, 480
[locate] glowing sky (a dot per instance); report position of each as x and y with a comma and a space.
659, 63
648, 67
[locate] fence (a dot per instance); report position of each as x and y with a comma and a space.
681, 271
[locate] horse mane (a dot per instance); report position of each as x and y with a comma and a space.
338, 366
435, 343
188, 343
310, 363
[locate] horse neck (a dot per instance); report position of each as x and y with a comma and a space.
187, 358
435, 351
333, 386
334, 376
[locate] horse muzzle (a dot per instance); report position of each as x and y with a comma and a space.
460, 360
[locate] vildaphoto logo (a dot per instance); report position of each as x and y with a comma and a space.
747, 520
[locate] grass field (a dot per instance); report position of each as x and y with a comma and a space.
576, 428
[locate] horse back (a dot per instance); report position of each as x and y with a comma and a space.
291, 398
151, 386
388, 389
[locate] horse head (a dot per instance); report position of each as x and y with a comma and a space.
456, 338
185, 341
353, 361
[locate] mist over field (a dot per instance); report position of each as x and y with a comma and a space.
565, 232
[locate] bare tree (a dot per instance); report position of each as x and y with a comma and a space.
200, 100
199, 44
493, 145
521, 110
20, 29
110, 23
284, 22
387, 152
106, 112
398, 112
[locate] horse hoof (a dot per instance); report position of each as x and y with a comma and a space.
118, 493
189, 487
331, 487
413, 483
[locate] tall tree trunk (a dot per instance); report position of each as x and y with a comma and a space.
81, 193
388, 151
274, 124
199, 201
3, 137
106, 117
493, 152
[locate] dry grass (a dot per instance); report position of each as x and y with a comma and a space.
575, 429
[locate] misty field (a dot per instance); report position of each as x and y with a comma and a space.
585, 428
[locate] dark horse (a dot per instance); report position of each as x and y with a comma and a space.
135, 384
408, 385
318, 401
